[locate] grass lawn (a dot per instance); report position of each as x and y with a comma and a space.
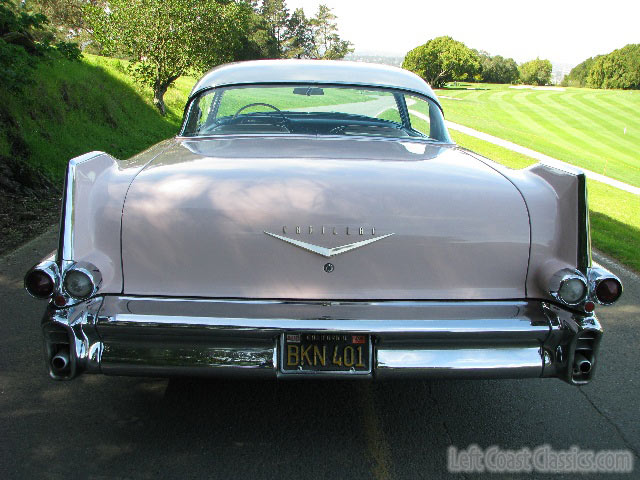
615, 214
75, 107
595, 129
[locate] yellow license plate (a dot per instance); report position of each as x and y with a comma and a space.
325, 352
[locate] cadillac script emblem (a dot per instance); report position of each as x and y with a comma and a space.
324, 251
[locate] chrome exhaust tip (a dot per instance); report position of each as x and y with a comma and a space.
581, 365
60, 362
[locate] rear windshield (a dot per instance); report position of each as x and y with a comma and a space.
314, 110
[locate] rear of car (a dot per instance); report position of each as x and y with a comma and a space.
305, 223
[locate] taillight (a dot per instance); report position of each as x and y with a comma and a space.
39, 284
42, 280
608, 290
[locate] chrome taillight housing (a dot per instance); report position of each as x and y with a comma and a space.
74, 282
569, 286
80, 281
42, 280
604, 287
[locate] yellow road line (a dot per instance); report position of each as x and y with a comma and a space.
377, 445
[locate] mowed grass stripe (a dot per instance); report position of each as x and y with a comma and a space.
610, 124
580, 126
563, 139
608, 107
628, 104
600, 143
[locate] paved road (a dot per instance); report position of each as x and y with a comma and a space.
100, 427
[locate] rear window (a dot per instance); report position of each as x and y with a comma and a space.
309, 109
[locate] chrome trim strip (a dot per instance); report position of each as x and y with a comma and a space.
204, 360
386, 303
327, 252
583, 261
275, 325
458, 362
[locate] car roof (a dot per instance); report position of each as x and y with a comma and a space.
313, 71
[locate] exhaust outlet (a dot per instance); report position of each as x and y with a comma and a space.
581, 365
60, 362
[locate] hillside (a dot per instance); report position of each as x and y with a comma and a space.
69, 109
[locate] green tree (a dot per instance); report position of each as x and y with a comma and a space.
442, 60
258, 43
327, 44
498, 69
536, 72
618, 69
276, 16
66, 17
578, 75
24, 37
165, 39
299, 37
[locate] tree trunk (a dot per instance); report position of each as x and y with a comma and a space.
158, 97
160, 87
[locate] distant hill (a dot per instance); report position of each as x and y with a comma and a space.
386, 60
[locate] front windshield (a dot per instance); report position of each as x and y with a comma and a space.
304, 109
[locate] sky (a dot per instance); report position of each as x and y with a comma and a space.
563, 31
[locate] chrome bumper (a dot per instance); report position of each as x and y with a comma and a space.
170, 337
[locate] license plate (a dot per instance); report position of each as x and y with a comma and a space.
325, 352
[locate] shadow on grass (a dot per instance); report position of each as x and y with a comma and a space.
76, 107
616, 239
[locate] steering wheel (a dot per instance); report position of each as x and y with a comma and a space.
284, 119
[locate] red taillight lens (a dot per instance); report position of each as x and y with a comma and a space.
39, 284
608, 290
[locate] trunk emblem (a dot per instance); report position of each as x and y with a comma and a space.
327, 252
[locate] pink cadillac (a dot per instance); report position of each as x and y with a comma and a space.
314, 218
